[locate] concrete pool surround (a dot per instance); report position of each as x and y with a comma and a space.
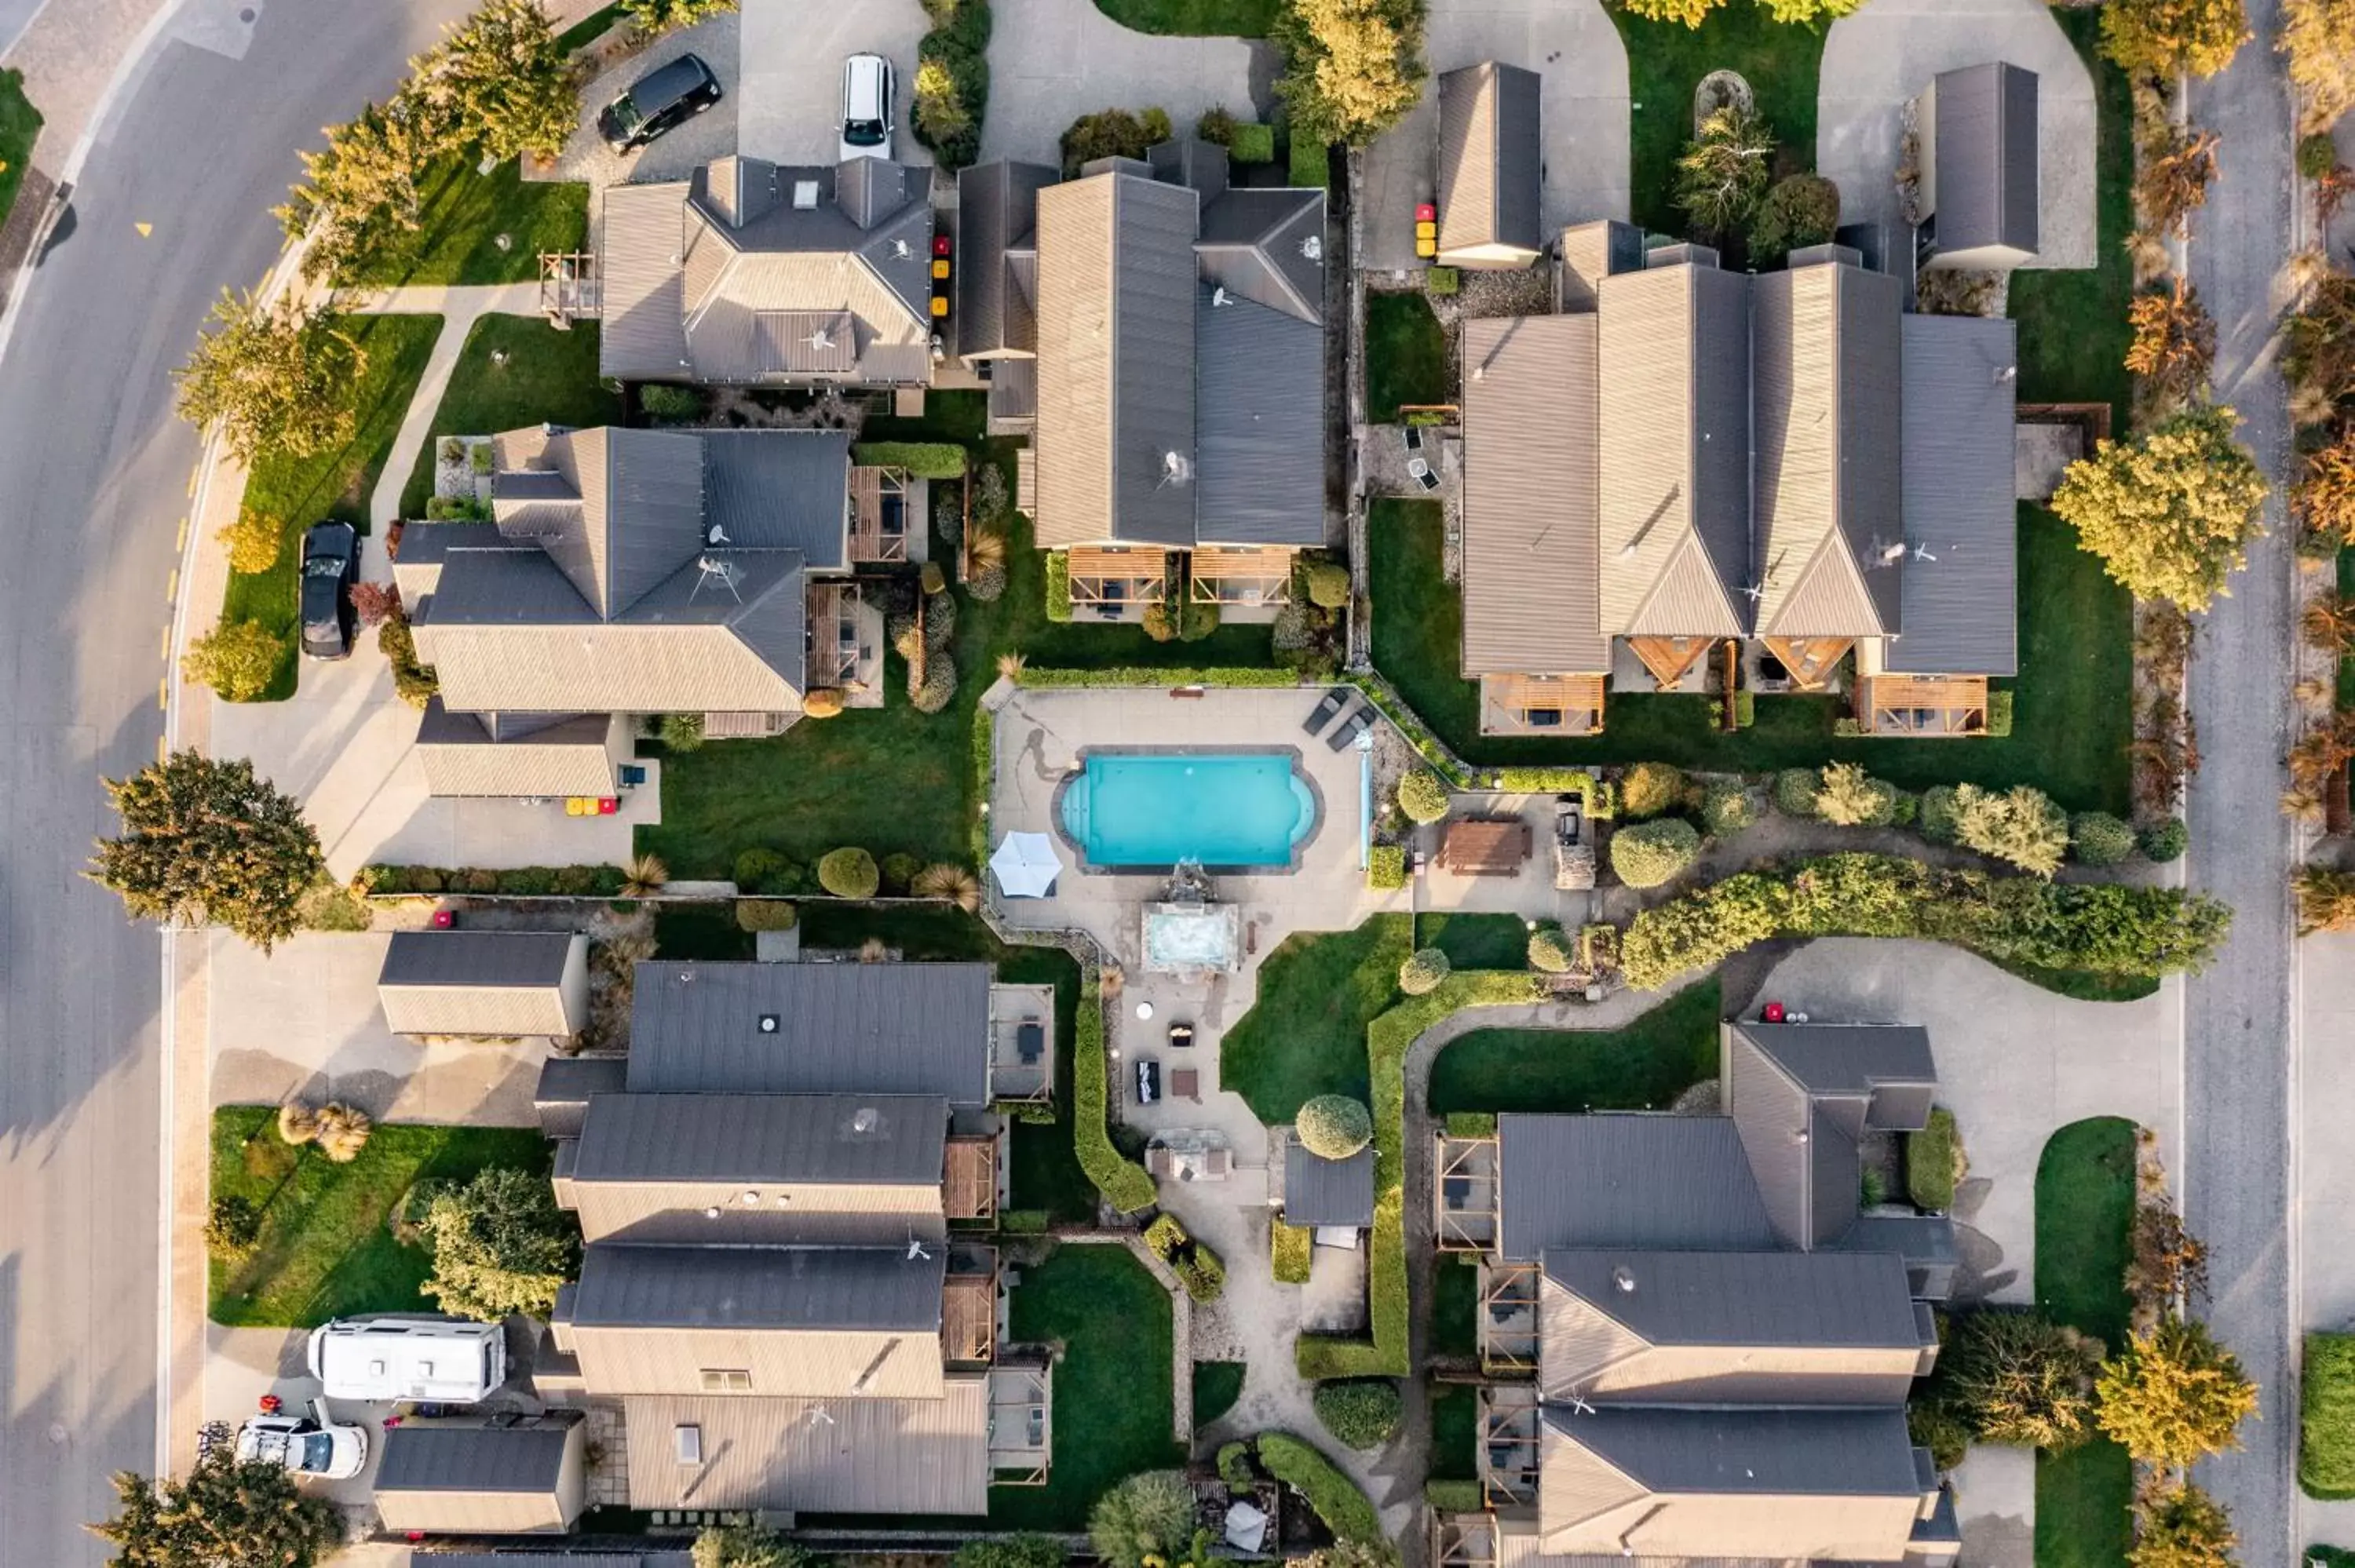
1300, 782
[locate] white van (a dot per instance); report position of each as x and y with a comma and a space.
377, 1358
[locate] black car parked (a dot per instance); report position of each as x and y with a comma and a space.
331, 565
664, 99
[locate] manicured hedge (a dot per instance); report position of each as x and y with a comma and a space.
1330, 1494
1058, 586
1386, 867
1433, 750
763, 915
2019, 920
923, 459
1146, 675
1197, 1268
1122, 1181
1361, 1413
985, 731
514, 881
1310, 164
2326, 1446
1602, 799
1023, 1222
1251, 142
1471, 1124
1289, 1249
1454, 1497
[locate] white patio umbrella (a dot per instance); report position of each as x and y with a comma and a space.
1026, 864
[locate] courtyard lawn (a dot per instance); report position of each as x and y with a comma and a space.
1644, 1066
2072, 325
462, 217
2070, 719
1454, 1320
334, 484
549, 377
1406, 356
326, 1250
1216, 1386
20, 127
1197, 18
702, 932
2085, 1208
1454, 1424
1475, 941
1666, 60
1305, 1034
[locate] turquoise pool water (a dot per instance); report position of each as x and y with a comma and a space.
1149, 808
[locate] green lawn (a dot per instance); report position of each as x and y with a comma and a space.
1216, 1386
332, 484
2085, 1207
1213, 18
2070, 719
2072, 325
1641, 1067
463, 215
1475, 941
1454, 1311
1305, 1034
1455, 1426
20, 127
2326, 1446
1666, 60
705, 933
549, 377
1406, 356
325, 1251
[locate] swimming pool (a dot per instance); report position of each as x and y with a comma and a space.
1149, 809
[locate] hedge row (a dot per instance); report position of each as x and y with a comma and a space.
1388, 1038
1146, 676
1289, 1249
1931, 1156
1122, 1181
1386, 867
1197, 1268
1334, 1498
1058, 586
923, 459
1432, 750
2101, 928
1454, 1497
1602, 798
517, 881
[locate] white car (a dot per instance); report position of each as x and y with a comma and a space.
306, 1444
869, 87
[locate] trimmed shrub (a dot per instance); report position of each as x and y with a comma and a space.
414, 683
922, 460
1453, 1496
1196, 621
671, 405
1441, 282
1648, 789
1795, 792
1308, 163
1058, 586
1252, 143
1726, 807
255, 539
1160, 624
1998, 715
1333, 1126
898, 870
2166, 840
233, 1227
1146, 1517
1327, 583
2316, 155
1850, 798
761, 870
1936, 1427
2022, 825
1471, 1124
1799, 211
763, 915
1123, 1182
1550, 950
1026, 1221
1937, 816
1934, 1162
1217, 127
938, 688
2099, 839
1649, 853
1360, 1412
238, 658
682, 732
849, 874
1422, 796
1107, 134
1289, 1248
1422, 970
2326, 1450
1331, 1495
1386, 867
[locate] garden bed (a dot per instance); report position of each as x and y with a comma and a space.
1666, 60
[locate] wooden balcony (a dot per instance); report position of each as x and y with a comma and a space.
1541, 704
969, 1314
969, 1187
1923, 706
1811, 661
842, 654
1666, 659
1249, 578
879, 520
1109, 583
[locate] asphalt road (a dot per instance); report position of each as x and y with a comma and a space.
2238, 1047
96, 470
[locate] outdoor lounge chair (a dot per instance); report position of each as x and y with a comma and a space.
1351, 728
1412, 437
1424, 476
1322, 714
1029, 1040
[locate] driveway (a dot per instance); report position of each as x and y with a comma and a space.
710, 134
304, 1020
345, 747
1051, 61
1582, 111
790, 111
1883, 57
2014, 1063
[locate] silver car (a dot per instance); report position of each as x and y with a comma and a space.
306, 1444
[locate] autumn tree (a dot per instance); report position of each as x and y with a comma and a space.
2174, 342
2326, 899
225, 1511
204, 840
2181, 1526
2174, 1395
2022, 824
1692, 13
500, 83
276, 380
656, 16
2323, 499
238, 658
2016, 1378
2318, 342
2171, 513
1353, 68
2318, 38
1148, 1516
2170, 35
359, 193
1722, 170
254, 540
1805, 13
2176, 167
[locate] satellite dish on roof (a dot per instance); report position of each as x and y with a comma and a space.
1177, 468
1220, 297
715, 534
1313, 247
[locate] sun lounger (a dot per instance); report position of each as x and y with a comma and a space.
1345, 734
1322, 714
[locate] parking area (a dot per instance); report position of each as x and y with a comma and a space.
1051, 61
1879, 59
2015, 1062
345, 747
711, 134
789, 108
1581, 109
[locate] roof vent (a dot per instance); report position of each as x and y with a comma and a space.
1313, 247
1800, 1136
686, 1443
769, 1023
864, 1119
804, 196
1177, 468
751, 1200
713, 1213
1624, 1280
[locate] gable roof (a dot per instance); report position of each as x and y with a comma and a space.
1743, 1298
1268, 245
998, 211
1985, 159
474, 754
478, 982
1489, 195
1961, 609
920, 1456
616, 509
842, 1028
1625, 1179
759, 1289
1259, 399
1319, 1192
431, 1458
799, 1140
1802, 1097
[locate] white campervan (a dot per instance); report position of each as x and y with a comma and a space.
438, 1359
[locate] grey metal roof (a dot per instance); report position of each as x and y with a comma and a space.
1489, 156
1753, 1299
1984, 142
1318, 1192
1258, 243
1846, 1058
803, 1140
997, 208
1530, 589
1750, 1451
1802, 1095
861, 1455
641, 333
425, 544
593, 1557
1259, 421
475, 959
1960, 612
616, 509
1620, 1179
882, 1028
1190, 161
566, 1083
755, 1288
436, 1458
782, 490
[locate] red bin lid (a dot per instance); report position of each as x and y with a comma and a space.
1424, 212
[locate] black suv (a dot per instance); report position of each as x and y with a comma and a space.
663, 99
331, 564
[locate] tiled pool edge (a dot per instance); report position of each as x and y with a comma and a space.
1085, 867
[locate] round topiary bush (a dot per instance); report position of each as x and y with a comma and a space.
2096, 838
1333, 1126
1795, 792
1938, 820
849, 874
1422, 796
1550, 950
1726, 807
1328, 584
1648, 854
233, 1227
1647, 789
2167, 840
2315, 155
1361, 1413
1422, 971
898, 870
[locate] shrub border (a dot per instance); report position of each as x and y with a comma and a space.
1331, 1495
1125, 1183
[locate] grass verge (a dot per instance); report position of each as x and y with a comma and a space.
546, 377
2326, 1443
2085, 1208
1406, 356
334, 484
1194, 19
326, 1250
1455, 1319
463, 215
1666, 60
1641, 1067
20, 127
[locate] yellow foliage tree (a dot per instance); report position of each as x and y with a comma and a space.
2174, 1395
1692, 13
1353, 67
2318, 38
2324, 497
2167, 36
2170, 513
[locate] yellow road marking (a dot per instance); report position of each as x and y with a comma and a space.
182, 541
163, 696
162, 751
172, 587
146, 230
